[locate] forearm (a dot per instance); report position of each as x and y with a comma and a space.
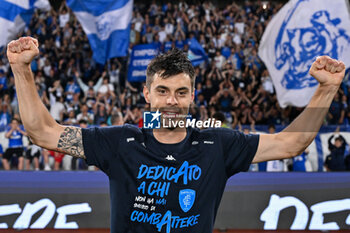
8, 134
35, 116
300, 133
98, 84
41, 127
305, 127
23, 132
82, 85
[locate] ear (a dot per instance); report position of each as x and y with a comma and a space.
146, 94
192, 95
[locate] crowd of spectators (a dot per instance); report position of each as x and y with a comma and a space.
234, 83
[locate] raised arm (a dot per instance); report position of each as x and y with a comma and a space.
40, 126
301, 132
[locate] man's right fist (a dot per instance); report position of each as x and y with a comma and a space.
22, 51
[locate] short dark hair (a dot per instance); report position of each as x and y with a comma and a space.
16, 119
219, 116
339, 138
271, 126
115, 117
169, 64
82, 121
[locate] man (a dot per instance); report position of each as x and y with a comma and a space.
168, 180
32, 154
336, 160
274, 165
15, 134
299, 162
117, 118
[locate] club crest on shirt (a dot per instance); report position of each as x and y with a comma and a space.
186, 199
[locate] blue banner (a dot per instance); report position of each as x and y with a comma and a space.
196, 53
141, 56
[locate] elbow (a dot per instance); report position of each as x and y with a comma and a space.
291, 154
292, 146
40, 141
298, 149
34, 140
297, 152
35, 136
45, 137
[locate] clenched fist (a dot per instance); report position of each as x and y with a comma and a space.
328, 71
22, 51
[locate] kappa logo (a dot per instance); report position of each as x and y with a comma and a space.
170, 157
186, 199
151, 120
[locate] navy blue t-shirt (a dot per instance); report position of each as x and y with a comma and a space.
156, 187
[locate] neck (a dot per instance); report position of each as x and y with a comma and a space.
170, 136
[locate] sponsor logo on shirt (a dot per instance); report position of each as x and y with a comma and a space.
170, 157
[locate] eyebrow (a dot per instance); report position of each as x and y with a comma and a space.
178, 89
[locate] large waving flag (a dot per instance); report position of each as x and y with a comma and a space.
106, 24
15, 15
296, 35
196, 53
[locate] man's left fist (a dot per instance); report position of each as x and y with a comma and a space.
328, 71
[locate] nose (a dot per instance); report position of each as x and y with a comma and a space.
171, 100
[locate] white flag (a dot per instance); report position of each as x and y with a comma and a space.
296, 35
106, 24
15, 15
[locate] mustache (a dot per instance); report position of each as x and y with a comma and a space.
169, 109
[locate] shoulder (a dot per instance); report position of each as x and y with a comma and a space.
219, 132
214, 134
227, 136
122, 131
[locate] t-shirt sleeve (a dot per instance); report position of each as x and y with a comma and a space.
101, 146
239, 150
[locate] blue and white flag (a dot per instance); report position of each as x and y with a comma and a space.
196, 53
296, 35
141, 56
106, 24
15, 15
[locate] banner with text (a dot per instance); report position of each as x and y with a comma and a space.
141, 56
